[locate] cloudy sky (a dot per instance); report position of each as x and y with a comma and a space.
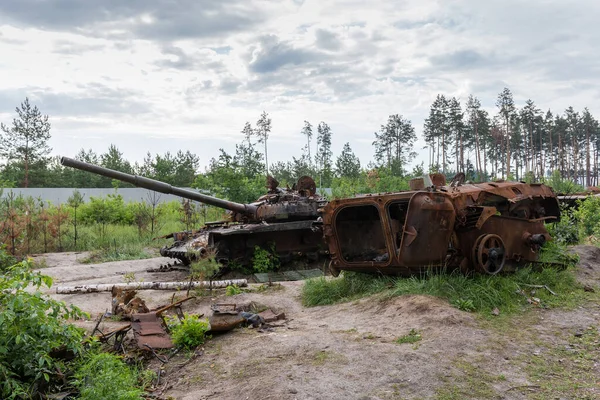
158, 75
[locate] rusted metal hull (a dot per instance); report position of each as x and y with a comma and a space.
486, 227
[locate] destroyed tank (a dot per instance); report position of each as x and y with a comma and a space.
486, 227
283, 221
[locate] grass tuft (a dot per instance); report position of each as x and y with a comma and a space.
510, 293
411, 337
347, 287
118, 253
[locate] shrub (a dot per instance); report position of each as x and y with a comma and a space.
588, 215
190, 332
105, 376
34, 334
566, 231
265, 260
232, 290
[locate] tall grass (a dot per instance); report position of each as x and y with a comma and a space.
511, 292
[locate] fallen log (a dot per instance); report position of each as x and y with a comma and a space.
107, 287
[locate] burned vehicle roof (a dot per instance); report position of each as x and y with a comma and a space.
487, 227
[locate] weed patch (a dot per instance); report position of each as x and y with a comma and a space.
106, 376
119, 253
349, 286
412, 337
190, 332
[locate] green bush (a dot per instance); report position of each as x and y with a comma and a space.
265, 260
190, 332
105, 376
588, 215
566, 231
232, 290
34, 334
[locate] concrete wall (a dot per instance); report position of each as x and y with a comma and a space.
60, 195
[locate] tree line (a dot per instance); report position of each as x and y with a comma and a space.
514, 143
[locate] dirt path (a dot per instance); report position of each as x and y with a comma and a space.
349, 351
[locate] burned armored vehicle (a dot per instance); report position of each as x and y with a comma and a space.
486, 227
283, 221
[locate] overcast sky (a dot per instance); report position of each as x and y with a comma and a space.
158, 75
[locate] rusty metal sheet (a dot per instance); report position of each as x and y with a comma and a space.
148, 331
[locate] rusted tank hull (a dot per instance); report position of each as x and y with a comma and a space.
486, 227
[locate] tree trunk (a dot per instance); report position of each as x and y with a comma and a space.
107, 287
587, 157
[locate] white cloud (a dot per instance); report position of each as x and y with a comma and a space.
150, 75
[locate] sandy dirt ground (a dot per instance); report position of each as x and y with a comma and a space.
349, 351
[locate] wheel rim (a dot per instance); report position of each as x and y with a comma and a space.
490, 254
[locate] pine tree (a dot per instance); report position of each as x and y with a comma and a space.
506, 108
324, 154
27, 138
262, 131
347, 164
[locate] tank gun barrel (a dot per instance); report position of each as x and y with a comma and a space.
157, 186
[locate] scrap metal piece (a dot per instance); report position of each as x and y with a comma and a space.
148, 331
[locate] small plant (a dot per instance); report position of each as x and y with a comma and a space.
106, 376
190, 332
412, 337
232, 290
129, 277
265, 260
464, 304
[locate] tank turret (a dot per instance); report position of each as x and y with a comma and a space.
278, 204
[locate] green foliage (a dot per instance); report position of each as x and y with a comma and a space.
561, 185
6, 259
119, 252
227, 178
26, 141
565, 231
349, 286
105, 376
588, 216
106, 210
33, 332
205, 265
232, 290
465, 305
190, 332
412, 337
265, 260
480, 293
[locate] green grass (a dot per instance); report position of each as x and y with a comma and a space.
121, 252
510, 293
350, 286
411, 337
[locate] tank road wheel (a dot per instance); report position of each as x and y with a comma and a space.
489, 254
